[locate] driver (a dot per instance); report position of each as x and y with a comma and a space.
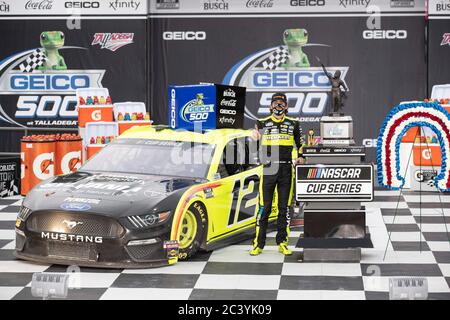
278, 134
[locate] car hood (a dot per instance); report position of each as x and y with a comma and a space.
111, 194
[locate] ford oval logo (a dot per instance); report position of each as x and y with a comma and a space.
72, 206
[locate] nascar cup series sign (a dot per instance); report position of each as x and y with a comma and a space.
334, 182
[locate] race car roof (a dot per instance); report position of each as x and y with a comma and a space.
216, 136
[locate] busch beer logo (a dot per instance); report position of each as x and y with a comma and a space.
4, 7
445, 39
286, 69
229, 93
112, 41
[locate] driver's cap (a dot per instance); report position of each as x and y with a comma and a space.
279, 96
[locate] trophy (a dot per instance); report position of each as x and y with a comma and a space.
336, 128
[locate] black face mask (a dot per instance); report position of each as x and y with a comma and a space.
279, 109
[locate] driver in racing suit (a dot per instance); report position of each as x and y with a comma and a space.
278, 134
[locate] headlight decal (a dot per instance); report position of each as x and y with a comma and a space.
148, 220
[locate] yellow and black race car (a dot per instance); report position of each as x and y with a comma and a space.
150, 198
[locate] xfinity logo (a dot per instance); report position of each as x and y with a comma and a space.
215, 5
385, 34
4, 7
82, 5
227, 111
124, 5
71, 224
39, 5
225, 120
307, 3
184, 35
259, 3
70, 237
354, 3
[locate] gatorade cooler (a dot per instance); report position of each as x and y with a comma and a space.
130, 108
41, 161
68, 154
424, 155
93, 112
25, 147
91, 150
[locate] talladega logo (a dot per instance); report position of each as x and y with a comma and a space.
287, 69
41, 86
196, 110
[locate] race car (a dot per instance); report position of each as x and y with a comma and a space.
150, 198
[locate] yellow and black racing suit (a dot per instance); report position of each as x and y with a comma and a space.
278, 138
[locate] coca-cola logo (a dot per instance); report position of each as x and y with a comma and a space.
228, 103
39, 5
259, 3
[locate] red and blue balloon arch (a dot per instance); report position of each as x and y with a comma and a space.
396, 124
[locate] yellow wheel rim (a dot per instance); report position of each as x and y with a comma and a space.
188, 230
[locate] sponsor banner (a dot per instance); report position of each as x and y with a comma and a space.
72, 7
439, 7
44, 62
9, 177
284, 54
334, 182
438, 53
173, 7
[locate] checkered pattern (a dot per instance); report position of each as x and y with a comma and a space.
34, 60
278, 57
419, 247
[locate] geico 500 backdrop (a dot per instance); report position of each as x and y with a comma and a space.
380, 67
102, 53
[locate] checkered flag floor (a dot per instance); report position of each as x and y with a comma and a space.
278, 57
418, 247
34, 61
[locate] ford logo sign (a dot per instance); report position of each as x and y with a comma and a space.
75, 206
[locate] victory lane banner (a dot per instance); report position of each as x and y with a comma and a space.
334, 182
9, 176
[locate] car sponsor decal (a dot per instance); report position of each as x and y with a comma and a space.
73, 206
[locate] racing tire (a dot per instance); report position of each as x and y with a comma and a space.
193, 228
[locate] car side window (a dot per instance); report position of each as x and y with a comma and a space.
235, 158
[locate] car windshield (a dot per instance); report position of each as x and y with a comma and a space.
159, 157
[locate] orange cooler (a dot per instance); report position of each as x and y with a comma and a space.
68, 156
94, 113
92, 150
42, 161
424, 155
25, 147
125, 125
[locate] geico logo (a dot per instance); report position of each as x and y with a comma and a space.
227, 111
443, 7
49, 82
184, 35
173, 112
82, 4
43, 167
290, 79
195, 109
71, 162
305, 3
385, 34
96, 115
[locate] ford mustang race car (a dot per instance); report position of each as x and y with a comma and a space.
150, 198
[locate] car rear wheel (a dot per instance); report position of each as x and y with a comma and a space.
192, 229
